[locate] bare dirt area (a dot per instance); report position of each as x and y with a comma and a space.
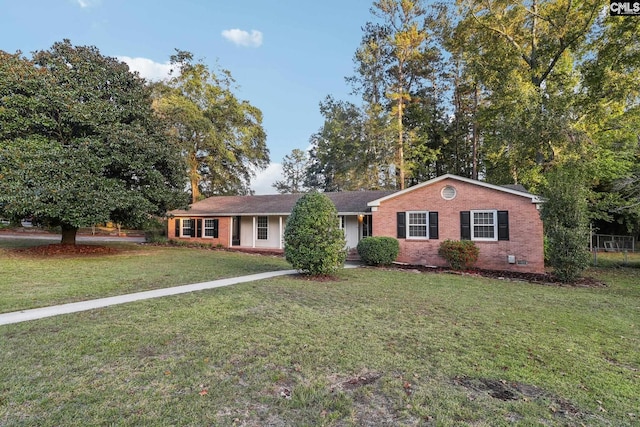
59, 250
510, 390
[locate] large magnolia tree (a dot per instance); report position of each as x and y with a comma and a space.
79, 142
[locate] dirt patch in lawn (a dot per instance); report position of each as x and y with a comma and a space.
360, 380
510, 390
543, 279
59, 250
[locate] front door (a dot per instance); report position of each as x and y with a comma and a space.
235, 236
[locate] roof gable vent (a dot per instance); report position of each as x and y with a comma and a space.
448, 192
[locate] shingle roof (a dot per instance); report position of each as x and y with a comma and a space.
347, 202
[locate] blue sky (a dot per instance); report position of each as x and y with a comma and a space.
286, 55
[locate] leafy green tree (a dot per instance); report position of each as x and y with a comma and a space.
221, 137
314, 242
566, 221
294, 169
79, 143
394, 59
353, 150
525, 55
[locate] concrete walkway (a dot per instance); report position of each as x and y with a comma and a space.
40, 313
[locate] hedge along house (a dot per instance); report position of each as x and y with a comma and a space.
258, 222
502, 220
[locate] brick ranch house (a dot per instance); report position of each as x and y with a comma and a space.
503, 221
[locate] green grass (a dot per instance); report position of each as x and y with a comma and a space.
617, 259
30, 282
375, 347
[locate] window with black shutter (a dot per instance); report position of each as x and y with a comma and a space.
417, 225
401, 225
503, 225
465, 225
211, 228
433, 225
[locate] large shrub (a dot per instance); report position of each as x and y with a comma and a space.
459, 254
566, 221
314, 242
378, 250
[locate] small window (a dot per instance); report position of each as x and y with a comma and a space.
263, 228
417, 225
341, 222
448, 193
484, 225
367, 226
211, 228
187, 227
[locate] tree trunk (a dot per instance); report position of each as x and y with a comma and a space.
400, 145
69, 234
474, 171
194, 177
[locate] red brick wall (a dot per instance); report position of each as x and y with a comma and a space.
525, 226
224, 233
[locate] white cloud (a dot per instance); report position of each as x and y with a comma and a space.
243, 38
147, 68
87, 3
262, 184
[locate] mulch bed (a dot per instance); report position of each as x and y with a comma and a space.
544, 279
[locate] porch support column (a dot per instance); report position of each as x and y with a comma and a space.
280, 232
253, 232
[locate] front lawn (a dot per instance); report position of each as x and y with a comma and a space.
29, 282
375, 347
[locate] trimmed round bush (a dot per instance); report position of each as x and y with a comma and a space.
378, 250
459, 254
313, 241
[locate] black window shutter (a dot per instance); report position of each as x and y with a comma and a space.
177, 230
465, 225
215, 228
199, 228
192, 230
433, 225
402, 225
503, 225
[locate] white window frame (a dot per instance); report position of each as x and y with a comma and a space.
182, 222
266, 228
409, 225
473, 225
342, 222
205, 228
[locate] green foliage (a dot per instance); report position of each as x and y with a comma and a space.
353, 150
155, 230
460, 254
79, 142
314, 243
568, 254
565, 218
221, 137
294, 167
378, 250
